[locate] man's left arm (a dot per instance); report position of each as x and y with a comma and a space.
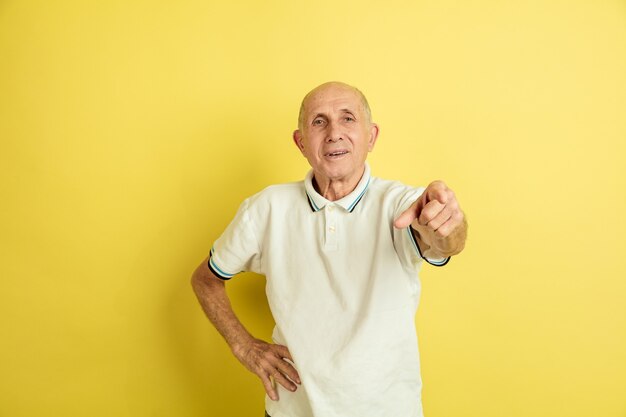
437, 222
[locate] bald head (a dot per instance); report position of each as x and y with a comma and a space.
329, 86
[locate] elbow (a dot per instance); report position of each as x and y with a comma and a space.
196, 280
203, 279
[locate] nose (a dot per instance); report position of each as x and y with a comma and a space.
334, 133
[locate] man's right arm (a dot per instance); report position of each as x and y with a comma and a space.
263, 359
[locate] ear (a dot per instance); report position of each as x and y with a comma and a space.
373, 136
297, 139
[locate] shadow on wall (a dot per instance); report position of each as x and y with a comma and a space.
207, 369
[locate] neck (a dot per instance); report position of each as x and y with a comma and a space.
336, 189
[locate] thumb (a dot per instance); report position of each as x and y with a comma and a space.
407, 216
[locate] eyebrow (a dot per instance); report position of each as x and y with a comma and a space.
341, 110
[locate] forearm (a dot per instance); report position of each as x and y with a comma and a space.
264, 359
211, 293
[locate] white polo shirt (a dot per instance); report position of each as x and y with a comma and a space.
343, 287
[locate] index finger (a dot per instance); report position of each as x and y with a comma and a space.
283, 351
287, 367
407, 216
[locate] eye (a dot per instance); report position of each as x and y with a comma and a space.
317, 122
349, 119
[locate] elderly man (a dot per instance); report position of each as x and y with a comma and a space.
341, 252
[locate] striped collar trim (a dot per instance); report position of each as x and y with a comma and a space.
349, 202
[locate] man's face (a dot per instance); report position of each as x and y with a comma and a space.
336, 134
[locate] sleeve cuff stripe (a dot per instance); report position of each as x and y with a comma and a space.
217, 271
417, 248
438, 263
434, 263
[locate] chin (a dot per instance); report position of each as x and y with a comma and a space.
339, 172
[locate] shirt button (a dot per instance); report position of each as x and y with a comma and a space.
332, 229
330, 208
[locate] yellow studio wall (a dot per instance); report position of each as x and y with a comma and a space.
131, 131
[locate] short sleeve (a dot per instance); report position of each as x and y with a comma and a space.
405, 243
237, 249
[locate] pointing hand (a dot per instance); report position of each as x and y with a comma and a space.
436, 212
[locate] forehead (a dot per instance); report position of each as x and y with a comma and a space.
332, 99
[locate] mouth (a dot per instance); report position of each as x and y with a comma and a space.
336, 154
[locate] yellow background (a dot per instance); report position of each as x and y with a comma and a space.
131, 131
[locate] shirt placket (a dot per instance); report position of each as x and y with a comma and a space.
330, 228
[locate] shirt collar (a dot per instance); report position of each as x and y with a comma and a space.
349, 202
